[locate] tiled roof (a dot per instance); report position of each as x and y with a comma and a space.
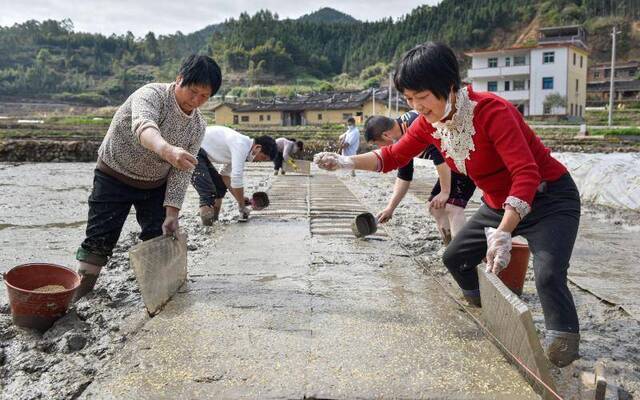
320, 101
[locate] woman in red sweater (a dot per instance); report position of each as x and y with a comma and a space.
525, 191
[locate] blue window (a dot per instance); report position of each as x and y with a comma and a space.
547, 83
492, 86
548, 57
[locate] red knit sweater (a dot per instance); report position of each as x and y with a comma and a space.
508, 160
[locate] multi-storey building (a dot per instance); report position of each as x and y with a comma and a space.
527, 76
626, 82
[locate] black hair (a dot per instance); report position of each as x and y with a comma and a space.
376, 125
201, 70
268, 144
351, 121
298, 143
428, 66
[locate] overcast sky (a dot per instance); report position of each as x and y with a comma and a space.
164, 16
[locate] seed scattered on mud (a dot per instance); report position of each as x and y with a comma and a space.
50, 289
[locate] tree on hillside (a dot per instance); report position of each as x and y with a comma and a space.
152, 49
554, 101
285, 49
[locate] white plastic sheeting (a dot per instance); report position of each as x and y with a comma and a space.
606, 179
611, 180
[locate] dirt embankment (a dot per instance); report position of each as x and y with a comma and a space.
48, 150
51, 150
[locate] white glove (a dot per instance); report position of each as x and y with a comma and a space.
498, 249
333, 161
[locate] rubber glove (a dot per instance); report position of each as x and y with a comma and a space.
293, 164
333, 161
498, 249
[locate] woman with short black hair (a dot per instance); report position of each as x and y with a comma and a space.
525, 190
145, 161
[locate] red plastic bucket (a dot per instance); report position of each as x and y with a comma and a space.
39, 310
513, 276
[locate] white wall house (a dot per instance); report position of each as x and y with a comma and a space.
526, 76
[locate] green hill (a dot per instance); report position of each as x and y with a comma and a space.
49, 59
327, 15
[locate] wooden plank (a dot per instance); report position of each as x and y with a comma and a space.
160, 267
301, 167
509, 320
600, 381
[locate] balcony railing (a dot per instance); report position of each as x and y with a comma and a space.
514, 95
498, 71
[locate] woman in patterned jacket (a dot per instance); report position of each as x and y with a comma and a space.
145, 161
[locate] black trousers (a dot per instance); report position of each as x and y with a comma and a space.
109, 205
277, 162
207, 181
550, 229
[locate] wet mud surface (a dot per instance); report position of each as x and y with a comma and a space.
608, 332
43, 210
42, 213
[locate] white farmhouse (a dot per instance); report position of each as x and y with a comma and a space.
527, 75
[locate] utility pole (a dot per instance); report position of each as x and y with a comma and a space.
614, 31
373, 98
389, 94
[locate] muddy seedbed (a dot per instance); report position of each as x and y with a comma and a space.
608, 333
63, 361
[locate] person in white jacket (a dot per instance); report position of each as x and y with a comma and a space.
222, 145
350, 140
286, 149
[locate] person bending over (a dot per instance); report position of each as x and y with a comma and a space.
145, 161
449, 195
526, 191
286, 149
222, 145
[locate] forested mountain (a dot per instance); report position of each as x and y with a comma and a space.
49, 59
327, 15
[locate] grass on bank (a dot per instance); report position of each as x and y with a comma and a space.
79, 120
617, 132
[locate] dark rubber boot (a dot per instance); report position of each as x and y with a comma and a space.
87, 283
473, 301
208, 217
562, 348
446, 236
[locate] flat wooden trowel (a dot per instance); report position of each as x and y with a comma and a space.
297, 166
160, 266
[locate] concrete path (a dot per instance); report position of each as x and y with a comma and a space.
289, 306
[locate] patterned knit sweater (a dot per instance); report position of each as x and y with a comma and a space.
153, 105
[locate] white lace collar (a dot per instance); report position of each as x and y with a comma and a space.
456, 134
